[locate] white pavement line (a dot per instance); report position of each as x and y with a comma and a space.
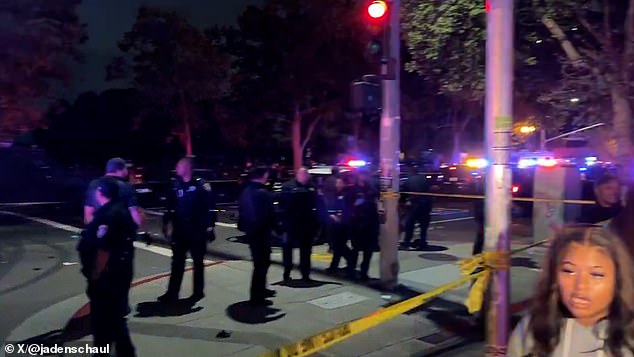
154, 249
47, 222
17, 204
221, 224
452, 220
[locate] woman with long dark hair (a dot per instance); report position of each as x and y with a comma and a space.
584, 304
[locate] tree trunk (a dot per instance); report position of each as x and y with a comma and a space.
186, 125
622, 112
296, 135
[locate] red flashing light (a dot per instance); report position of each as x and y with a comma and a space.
453, 168
377, 9
515, 189
487, 6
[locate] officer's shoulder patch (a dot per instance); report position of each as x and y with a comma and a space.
207, 186
102, 230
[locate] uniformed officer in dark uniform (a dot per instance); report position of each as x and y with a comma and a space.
365, 222
191, 210
117, 169
257, 219
419, 210
339, 226
106, 253
299, 200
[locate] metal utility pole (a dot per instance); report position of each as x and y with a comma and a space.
498, 127
390, 149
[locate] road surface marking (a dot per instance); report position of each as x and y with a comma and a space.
14, 204
154, 249
221, 224
451, 220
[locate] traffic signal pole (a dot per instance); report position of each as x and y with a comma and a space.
498, 127
390, 149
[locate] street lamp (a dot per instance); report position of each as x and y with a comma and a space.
527, 129
574, 100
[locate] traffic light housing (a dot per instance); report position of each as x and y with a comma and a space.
366, 95
376, 18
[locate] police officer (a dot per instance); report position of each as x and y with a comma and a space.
191, 210
364, 222
339, 226
115, 168
106, 253
299, 200
257, 219
420, 208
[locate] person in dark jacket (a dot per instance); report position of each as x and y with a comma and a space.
299, 200
364, 223
107, 252
420, 208
257, 219
192, 212
608, 205
115, 168
339, 226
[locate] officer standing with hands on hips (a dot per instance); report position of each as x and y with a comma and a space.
192, 212
106, 252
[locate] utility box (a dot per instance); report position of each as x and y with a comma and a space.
558, 183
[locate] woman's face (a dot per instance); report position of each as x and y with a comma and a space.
587, 279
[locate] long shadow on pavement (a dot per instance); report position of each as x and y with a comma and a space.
156, 308
305, 284
246, 313
75, 329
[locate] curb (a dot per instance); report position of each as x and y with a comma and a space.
85, 310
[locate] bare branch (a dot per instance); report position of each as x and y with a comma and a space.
584, 22
571, 52
310, 131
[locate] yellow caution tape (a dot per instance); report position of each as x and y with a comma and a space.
321, 256
487, 261
389, 194
519, 199
342, 332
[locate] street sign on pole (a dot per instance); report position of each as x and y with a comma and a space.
498, 128
389, 152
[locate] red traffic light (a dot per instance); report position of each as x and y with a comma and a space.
377, 9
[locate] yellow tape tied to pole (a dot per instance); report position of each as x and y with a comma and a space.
487, 262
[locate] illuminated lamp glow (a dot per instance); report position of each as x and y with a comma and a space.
515, 189
377, 9
477, 163
583, 169
453, 168
356, 163
547, 162
524, 163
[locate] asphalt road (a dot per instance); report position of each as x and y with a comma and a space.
38, 268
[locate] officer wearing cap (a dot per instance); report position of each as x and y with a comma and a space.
192, 212
106, 252
115, 168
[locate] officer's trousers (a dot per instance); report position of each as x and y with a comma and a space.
108, 307
260, 245
196, 244
305, 242
340, 245
364, 240
419, 213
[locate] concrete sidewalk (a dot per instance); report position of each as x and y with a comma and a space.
299, 310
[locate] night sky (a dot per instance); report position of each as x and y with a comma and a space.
108, 20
